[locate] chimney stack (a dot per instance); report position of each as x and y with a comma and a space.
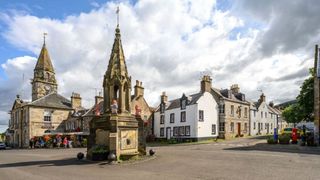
164, 97
235, 88
206, 84
271, 104
138, 89
262, 98
98, 98
75, 100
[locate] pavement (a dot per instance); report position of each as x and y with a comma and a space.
244, 158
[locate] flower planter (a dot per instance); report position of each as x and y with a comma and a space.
284, 139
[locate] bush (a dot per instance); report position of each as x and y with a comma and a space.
172, 141
99, 149
270, 140
284, 139
84, 142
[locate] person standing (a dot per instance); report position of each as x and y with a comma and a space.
31, 143
65, 142
58, 141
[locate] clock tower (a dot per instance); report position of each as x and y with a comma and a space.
44, 80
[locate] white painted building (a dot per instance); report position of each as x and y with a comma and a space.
263, 118
189, 117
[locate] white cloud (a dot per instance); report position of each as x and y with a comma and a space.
167, 44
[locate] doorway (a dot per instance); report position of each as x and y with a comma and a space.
168, 132
239, 129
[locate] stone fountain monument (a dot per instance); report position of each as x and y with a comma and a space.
117, 128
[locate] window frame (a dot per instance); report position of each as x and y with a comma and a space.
47, 116
171, 117
213, 129
181, 131
175, 131
185, 131
162, 119
232, 127
162, 132
221, 126
201, 115
232, 110
183, 114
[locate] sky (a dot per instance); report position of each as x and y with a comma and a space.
169, 45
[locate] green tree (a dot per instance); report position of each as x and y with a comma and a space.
292, 114
306, 98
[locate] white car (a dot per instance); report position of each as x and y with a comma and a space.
2, 145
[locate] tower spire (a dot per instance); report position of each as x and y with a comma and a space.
44, 81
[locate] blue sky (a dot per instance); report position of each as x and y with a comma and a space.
175, 41
60, 9
57, 9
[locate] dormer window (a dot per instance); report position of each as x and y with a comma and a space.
243, 97
162, 108
183, 104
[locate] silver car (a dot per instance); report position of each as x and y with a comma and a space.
2, 145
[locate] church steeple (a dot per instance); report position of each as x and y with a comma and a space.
117, 83
44, 81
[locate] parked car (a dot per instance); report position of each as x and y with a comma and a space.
286, 131
2, 145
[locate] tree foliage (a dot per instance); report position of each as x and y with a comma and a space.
292, 114
304, 108
306, 98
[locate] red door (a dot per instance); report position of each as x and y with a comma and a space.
239, 129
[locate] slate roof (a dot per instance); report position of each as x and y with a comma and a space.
175, 103
91, 111
224, 94
52, 100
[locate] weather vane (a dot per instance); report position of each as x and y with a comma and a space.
44, 37
118, 10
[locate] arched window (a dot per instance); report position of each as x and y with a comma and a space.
116, 92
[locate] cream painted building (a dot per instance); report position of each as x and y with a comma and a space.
233, 112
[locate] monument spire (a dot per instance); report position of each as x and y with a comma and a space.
117, 82
118, 11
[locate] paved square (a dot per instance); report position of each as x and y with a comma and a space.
237, 159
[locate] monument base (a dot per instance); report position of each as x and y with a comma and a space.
115, 133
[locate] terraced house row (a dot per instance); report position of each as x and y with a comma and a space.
215, 113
